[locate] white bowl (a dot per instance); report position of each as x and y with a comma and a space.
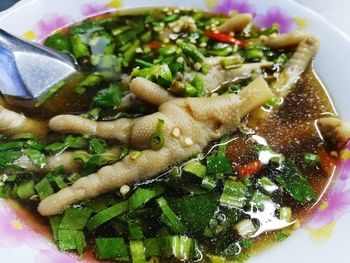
322, 241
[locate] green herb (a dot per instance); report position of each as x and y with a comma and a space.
26, 189
111, 248
75, 218
106, 215
160, 74
311, 159
97, 146
195, 211
261, 201
281, 236
137, 252
171, 218
36, 156
135, 231
156, 140
234, 194
91, 81
59, 42
71, 240
295, 184
196, 168
219, 164
192, 51
143, 195
110, 97
44, 188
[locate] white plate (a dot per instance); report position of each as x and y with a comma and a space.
323, 240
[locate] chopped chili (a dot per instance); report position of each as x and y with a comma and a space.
225, 38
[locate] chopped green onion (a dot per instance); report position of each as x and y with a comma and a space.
234, 194
71, 240
36, 156
135, 231
26, 189
311, 159
137, 252
109, 97
192, 51
55, 222
75, 218
180, 247
59, 42
156, 140
267, 185
219, 164
286, 214
44, 188
174, 221
91, 81
274, 29
143, 195
111, 248
295, 183
261, 201
245, 228
196, 168
106, 215
232, 62
209, 183
143, 64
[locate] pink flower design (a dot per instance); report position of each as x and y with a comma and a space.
50, 23
13, 231
345, 168
55, 256
94, 9
227, 6
336, 204
275, 15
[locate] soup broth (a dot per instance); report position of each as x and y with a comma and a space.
252, 188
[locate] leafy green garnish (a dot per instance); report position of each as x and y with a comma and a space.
109, 97
295, 184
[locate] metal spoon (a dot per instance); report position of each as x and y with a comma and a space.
28, 70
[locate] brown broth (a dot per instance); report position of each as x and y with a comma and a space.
291, 130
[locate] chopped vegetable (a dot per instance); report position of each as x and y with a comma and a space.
181, 247
219, 164
196, 168
109, 97
143, 195
225, 38
111, 248
234, 194
26, 189
157, 138
137, 252
106, 215
311, 158
44, 188
75, 218
245, 228
249, 169
295, 184
171, 217
192, 51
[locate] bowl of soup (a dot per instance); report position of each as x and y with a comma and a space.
209, 131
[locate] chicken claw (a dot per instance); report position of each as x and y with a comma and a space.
189, 125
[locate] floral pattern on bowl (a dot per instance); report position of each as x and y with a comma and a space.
15, 232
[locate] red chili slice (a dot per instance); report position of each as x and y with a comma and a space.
225, 38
